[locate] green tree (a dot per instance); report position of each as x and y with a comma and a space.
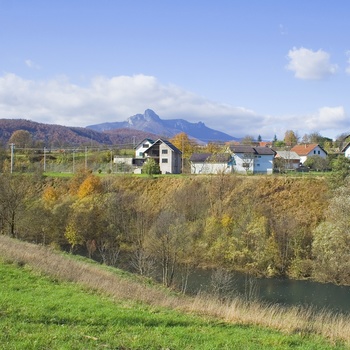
340, 170
151, 167
317, 163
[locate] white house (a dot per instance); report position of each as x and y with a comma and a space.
208, 163
346, 150
252, 159
142, 146
166, 155
306, 150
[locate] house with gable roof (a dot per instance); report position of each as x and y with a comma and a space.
252, 159
290, 159
307, 150
142, 146
166, 155
209, 163
346, 150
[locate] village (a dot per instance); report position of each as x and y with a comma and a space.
236, 158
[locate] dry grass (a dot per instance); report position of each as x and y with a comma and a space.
290, 320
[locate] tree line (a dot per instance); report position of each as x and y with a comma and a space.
266, 226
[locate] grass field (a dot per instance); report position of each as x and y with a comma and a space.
37, 312
51, 301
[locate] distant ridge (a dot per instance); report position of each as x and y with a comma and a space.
52, 135
152, 123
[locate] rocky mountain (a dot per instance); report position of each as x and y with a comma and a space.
151, 122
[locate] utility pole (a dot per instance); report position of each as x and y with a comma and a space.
85, 157
44, 159
12, 145
182, 156
73, 161
111, 160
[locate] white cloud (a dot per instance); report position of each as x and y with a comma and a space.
30, 64
326, 118
310, 65
59, 101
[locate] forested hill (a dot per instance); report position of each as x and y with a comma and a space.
264, 225
51, 135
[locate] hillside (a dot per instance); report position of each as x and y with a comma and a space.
57, 301
51, 135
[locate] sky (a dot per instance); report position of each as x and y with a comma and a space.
244, 67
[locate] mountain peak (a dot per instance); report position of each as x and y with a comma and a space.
147, 116
151, 115
149, 121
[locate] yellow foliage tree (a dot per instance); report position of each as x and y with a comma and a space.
72, 235
184, 144
91, 185
50, 195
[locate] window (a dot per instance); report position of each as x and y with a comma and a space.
314, 152
319, 152
164, 151
145, 145
164, 160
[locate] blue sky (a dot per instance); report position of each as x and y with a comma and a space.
244, 67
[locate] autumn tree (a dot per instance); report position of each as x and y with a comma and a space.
14, 194
290, 138
21, 139
331, 245
166, 242
76, 181
184, 144
91, 185
213, 147
248, 140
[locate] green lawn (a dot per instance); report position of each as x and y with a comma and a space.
37, 312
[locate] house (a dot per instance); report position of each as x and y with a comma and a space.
128, 164
253, 159
166, 155
346, 150
142, 146
208, 163
307, 150
290, 160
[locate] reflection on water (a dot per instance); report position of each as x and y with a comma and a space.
282, 291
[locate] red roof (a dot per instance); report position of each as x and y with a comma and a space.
305, 149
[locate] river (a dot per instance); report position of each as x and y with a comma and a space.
280, 291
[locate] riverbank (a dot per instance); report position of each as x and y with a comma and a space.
299, 326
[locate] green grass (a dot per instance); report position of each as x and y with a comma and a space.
38, 312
